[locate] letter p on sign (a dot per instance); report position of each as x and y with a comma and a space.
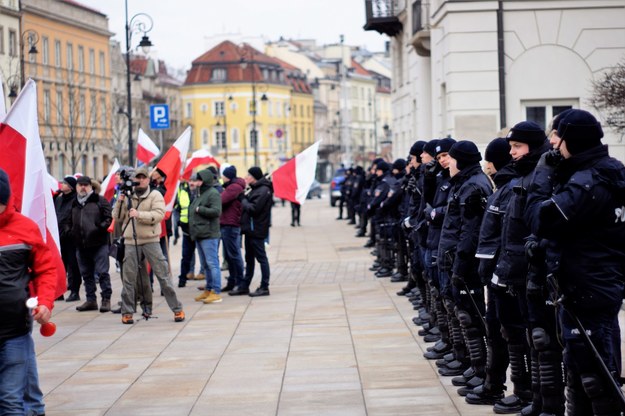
159, 116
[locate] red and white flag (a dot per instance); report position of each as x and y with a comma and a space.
146, 149
292, 180
21, 153
108, 185
198, 158
171, 164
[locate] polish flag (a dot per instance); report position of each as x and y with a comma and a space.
108, 185
171, 164
21, 156
292, 180
198, 158
146, 149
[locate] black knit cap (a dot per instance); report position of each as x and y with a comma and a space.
430, 147
466, 154
5, 188
555, 123
416, 149
444, 145
498, 153
230, 172
383, 166
527, 132
399, 164
580, 130
71, 181
256, 172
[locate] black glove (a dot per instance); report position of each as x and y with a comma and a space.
551, 159
535, 251
474, 205
241, 197
432, 168
457, 282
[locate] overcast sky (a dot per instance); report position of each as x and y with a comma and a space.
183, 29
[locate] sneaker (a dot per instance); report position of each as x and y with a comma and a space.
199, 276
179, 316
127, 319
212, 298
203, 295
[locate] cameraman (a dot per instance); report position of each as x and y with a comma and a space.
143, 218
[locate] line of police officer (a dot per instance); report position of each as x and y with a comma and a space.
508, 266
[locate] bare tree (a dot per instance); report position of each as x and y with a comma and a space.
609, 97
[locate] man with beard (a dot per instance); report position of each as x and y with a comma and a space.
91, 217
141, 220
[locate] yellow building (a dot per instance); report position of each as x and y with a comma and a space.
72, 71
232, 92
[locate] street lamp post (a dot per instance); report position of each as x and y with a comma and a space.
134, 25
32, 37
253, 134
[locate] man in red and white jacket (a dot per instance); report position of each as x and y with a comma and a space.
24, 259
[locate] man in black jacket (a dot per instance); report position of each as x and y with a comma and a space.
255, 223
63, 204
91, 217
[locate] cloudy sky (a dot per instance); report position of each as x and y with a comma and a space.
184, 29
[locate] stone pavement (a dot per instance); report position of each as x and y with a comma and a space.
330, 340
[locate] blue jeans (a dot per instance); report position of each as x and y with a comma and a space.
231, 238
15, 356
255, 249
33, 397
209, 256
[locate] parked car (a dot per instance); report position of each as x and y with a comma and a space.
335, 185
314, 191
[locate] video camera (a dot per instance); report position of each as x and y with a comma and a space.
127, 183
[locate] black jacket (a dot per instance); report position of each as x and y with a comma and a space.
256, 216
460, 231
512, 264
90, 222
435, 211
585, 216
489, 243
63, 204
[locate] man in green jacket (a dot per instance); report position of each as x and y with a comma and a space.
204, 214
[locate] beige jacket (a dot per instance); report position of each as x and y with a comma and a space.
151, 207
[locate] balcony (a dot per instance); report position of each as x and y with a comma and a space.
420, 39
382, 16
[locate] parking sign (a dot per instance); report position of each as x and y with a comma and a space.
159, 116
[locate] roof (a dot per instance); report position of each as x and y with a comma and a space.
359, 69
295, 77
232, 58
82, 6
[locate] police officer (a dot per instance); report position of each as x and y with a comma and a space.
382, 226
585, 219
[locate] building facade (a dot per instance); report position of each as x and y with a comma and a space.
9, 48
472, 69
72, 72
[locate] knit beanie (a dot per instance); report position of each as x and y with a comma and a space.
430, 147
580, 130
417, 149
71, 181
230, 172
466, 154
527, 132
399, 164
383, 166
498, 153
5, 188
256, 172
555, 123
444, 145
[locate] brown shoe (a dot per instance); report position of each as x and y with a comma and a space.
90, 305
190, 276
105, 306
199, 276
179, 316
212, 298
203, 295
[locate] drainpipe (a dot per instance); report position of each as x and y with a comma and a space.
501, 67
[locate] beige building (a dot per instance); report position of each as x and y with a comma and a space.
72, 72
9, 48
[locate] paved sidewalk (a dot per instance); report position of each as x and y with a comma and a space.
330, 340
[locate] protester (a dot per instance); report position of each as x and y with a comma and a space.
25, 259
296, 211
91, 218
255, 223
63, 203
204, 214
230, 223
